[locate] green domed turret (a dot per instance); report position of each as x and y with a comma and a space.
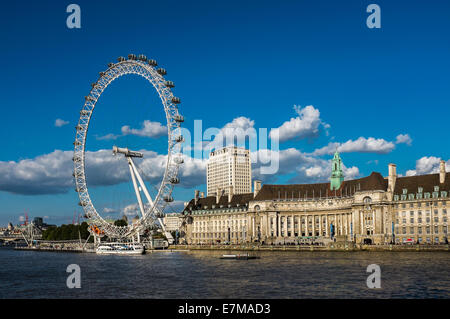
337, 176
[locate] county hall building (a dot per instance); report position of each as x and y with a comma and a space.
372, 210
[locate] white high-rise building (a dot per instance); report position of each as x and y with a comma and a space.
227, 168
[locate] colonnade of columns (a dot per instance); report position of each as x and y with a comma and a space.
307, 224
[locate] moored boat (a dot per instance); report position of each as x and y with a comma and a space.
239, 257
120, 249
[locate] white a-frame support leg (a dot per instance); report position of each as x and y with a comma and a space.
136, 177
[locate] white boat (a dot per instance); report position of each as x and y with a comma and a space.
120, 249
239, 257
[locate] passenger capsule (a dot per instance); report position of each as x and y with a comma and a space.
110, 65
168, 199
174, 180
101, 74
121, 59
178, 160
142, 57
169, 84
82, 203
93, 85
161, 71
179, 139
178, 118
131, 57
152, 62
84, 112
89, 98
176, 100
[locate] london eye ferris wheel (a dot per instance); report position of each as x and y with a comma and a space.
152, 210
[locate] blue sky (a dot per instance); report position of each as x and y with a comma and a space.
247, 60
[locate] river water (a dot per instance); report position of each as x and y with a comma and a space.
202, 274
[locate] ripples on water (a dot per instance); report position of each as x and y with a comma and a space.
201, 274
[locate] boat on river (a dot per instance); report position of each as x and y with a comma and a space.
239, 257
120, 249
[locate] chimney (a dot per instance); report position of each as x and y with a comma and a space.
256, 188
218, 194
202, 195
442, 172
196, 196
230, 193
392, 177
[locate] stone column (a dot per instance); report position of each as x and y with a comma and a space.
361, 222
299, 225
293, 226
320, 225
306, 225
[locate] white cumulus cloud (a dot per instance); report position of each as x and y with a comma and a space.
306, 124
427, 165
148, 129
52, 173
403, 139
361, 145
60, 122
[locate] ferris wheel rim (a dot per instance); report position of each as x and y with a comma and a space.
169, 102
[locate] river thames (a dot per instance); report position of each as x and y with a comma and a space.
202, 274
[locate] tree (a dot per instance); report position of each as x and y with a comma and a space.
120, 223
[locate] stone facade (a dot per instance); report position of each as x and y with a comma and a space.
372, 209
